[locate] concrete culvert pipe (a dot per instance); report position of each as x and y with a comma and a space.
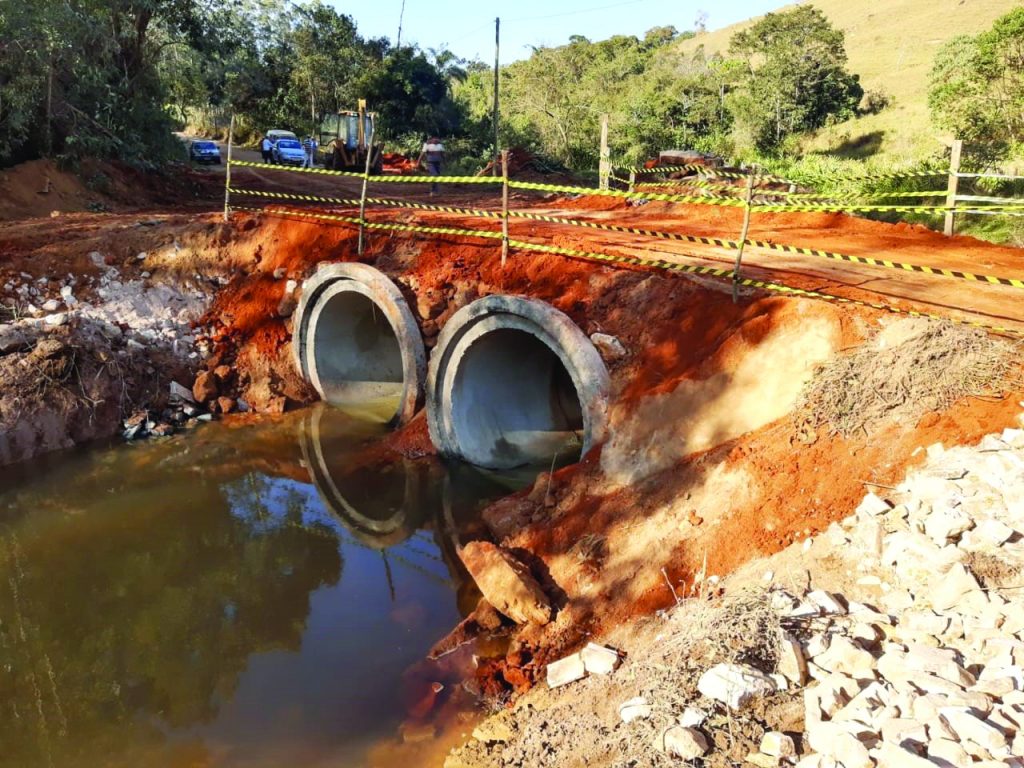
356, 341
513, 381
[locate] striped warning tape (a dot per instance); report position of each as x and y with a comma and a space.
930, 209
542, 187
716, 272
652, 196
705, 170
872, 176
372, 201
733, 244
293, 196
674, 236
378, 179
750, 282
381, 225
271, 167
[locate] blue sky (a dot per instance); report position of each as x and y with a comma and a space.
467, 26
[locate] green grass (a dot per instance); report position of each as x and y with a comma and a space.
891, 46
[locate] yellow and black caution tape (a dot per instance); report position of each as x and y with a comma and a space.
662, 235
705, 170
619, 193
384, 179
872, 176
294, 196
929, 209
381, 225
747, 282
273, 167
635, 261
371, 201
733, 244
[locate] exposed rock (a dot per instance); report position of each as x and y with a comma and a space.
609, 346
778, 744
792, 664
957, 583
692, 716
734, 684
565, 671
506, 583
599, 660
205, 387
180, 393
684, 743
634, 709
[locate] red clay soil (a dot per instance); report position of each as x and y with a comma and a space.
40, 188
677, 332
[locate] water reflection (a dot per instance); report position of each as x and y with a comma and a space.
244, 595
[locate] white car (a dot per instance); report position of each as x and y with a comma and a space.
276, 135
288, 152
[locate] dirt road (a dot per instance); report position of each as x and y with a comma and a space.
957, 298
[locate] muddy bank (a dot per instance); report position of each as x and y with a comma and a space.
709, 461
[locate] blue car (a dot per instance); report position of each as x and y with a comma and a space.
288, 152
204, 152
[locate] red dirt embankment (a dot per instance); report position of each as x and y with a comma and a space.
706, 463
41, 188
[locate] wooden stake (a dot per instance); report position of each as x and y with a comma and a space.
504, 207
743, 240
362, 196
953, 187
605, 166
632, 180
227, 171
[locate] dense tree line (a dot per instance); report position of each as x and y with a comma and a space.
114, 77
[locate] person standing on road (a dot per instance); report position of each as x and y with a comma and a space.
310, 146
265, 149
433, 155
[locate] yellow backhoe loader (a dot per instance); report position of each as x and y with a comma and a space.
347, 137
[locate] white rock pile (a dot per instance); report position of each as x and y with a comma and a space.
928, 669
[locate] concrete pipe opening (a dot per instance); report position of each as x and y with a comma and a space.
356, 341
513, 382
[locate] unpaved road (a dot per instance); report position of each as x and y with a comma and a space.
972, 301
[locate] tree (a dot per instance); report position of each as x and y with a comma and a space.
977, 86
796, 77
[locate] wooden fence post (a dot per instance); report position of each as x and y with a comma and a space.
504, 207
362, 196
605, 165
227, 172
953, 187
632, 180
743, 239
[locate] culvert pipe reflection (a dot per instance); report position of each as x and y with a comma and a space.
513, 381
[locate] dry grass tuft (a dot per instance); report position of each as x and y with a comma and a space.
928, 371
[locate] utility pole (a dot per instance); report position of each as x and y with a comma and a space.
401, 15
497, 38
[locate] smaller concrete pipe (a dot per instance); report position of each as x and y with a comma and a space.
513, 381
356, 341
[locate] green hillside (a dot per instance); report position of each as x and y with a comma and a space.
891, 46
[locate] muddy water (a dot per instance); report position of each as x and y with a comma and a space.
247, 595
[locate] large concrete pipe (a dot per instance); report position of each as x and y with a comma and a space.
513, 381
356, 341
